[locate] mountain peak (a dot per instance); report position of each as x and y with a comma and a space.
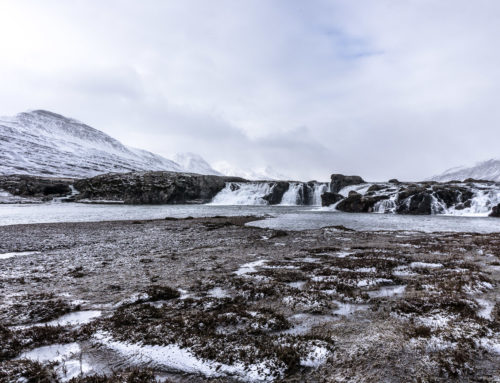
41, 142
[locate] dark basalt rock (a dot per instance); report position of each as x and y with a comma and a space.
356, 203
153, 187
495, 212
276, 195
34, 186
340, 181
329, 198
452, 195
394, 181
418, 203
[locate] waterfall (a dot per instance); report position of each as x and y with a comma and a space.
253, 193
294, 195
319, 189
386, 205
243, 193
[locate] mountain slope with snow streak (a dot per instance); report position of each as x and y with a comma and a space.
43, 143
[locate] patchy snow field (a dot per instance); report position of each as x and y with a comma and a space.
210, 299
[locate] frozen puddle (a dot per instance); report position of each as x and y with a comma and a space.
68, 356
346, 309
218, 292
387, 291
17, 254
174, 358
76, 318
250, 267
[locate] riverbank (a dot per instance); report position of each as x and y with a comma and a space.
210, 299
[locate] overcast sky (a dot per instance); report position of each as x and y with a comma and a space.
379, 88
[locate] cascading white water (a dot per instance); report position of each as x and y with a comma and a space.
253, 193
319, 189
437, 206
481, 203
243, 193
386, 205
292, 196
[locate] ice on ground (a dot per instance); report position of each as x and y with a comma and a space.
71, 364
297, 285
218, 292
182, 359
366, 270
75, 318
387, 291
425, 265
486, 308
345, 309
17, 254
403, 271
250, 267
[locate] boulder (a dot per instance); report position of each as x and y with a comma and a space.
394, 181
417, 203
356, 203
276, 194
153, 187
329, 198
496, 211
340, 181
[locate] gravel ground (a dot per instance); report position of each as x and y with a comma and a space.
211, 299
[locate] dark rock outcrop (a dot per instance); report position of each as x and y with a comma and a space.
418, 203
495, 212
340, 181
276, 194
44, 188
356, 203
152, 187
329, 198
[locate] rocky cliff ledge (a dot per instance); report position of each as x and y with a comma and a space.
41, 188
152, 187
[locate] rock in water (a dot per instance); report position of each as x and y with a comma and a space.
496, 211
276, 194
329, 198
340, 181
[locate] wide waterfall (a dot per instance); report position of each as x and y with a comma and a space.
259, 192
243, 193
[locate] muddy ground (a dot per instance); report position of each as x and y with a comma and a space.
198, 300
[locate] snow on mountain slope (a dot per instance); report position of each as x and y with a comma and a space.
44, 143
194, 163
486, 170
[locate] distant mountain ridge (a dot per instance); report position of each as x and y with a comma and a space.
487, 170
44, 143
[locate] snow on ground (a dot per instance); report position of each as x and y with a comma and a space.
425, 265
250, 267
182, 359
17, 254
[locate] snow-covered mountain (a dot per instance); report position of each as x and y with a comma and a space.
194, 163
262, 174
486, 170
44, 143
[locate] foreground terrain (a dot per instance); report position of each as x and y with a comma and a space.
197, 300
